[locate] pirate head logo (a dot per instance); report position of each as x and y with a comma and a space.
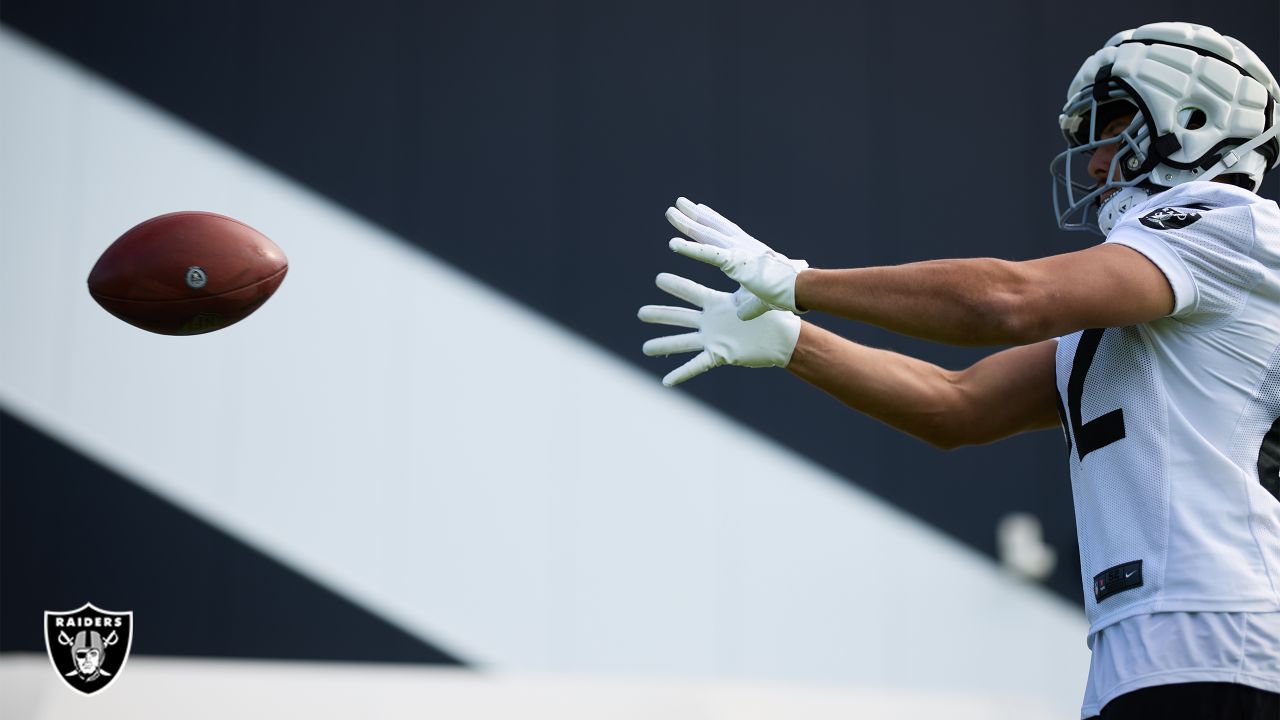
88, 646
1167, 218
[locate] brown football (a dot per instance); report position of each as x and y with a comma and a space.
187, 273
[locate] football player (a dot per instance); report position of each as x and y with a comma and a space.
1157, 352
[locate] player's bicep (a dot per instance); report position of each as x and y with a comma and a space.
1103, 286
1010, 392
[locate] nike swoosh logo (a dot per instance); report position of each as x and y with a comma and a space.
1129, 574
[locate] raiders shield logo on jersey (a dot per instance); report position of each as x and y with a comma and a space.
1168, 218
88, 646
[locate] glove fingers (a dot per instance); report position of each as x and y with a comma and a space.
706, 215
697, 231
700, 363
667, 315
684, 288
752, 309
698, 251
715, 220
673, 344
688, 207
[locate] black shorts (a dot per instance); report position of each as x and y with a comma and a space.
1194, 701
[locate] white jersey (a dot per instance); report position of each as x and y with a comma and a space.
1173, 426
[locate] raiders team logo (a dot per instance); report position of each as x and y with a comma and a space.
1167, 218
88, 646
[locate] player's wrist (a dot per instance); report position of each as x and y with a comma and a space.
803, 352
803, 291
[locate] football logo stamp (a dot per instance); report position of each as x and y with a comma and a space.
196, 277
88, 646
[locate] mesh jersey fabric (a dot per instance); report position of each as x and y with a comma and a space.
1166, 420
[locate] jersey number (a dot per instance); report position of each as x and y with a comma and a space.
1104, 429
1109, 427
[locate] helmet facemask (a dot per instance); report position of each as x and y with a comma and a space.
1077, 195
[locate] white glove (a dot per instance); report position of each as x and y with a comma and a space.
767, 275
721, 338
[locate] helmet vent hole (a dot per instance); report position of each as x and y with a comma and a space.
1192, 118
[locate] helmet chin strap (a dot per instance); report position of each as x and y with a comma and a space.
1233, 156
1120, 202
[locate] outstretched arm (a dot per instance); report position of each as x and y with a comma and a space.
1006, 393
984, 301
980, 301
1009, 392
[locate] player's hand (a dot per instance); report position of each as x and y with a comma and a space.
720, 338
768, 275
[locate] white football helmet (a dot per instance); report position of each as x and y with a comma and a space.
1204, 105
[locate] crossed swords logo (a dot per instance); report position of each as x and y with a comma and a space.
88, 646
